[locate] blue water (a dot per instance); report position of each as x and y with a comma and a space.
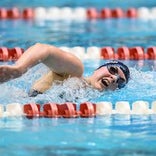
87, 3
106, 135
100, 33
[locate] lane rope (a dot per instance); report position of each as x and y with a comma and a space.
106, 53
70, 110
78, 13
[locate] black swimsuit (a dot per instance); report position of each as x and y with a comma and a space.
33, 93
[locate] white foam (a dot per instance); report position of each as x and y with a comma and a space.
73, 89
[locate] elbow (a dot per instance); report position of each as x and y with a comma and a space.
44, 49
38, 44
42, 45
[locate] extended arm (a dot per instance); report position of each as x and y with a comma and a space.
56, 59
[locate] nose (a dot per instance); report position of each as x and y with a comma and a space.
114, 78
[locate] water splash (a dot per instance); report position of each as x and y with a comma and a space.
70, 90
142, 86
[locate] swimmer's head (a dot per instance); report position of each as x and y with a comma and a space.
122, 66
111, 68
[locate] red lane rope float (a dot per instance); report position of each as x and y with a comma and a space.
51, 110
107, 53
13, 13
10, 54
123, 53
136, 53
68, 110
105, 13
28, 13
92, 13
15, 53
4, 54
131, 13
117, 13
32, 110
151, 53
3, 13
87, 109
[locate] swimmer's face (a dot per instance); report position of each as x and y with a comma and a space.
108, 78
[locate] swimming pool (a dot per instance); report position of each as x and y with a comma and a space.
103, 135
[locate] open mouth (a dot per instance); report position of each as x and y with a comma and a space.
105, 82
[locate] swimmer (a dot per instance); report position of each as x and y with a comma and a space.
63, 65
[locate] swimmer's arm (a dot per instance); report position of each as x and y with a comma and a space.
56, 59
46, 81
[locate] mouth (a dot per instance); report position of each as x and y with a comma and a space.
105, 82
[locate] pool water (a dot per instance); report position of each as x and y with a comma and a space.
103, 135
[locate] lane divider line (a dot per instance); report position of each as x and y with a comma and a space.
70, 110
93, 52
79, 13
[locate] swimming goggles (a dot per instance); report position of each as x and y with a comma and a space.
114, 71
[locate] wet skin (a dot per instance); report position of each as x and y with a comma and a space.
102, 79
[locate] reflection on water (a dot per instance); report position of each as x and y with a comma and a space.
97, 136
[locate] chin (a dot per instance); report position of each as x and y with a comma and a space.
101, 89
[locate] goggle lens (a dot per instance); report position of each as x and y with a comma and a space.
114, 71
